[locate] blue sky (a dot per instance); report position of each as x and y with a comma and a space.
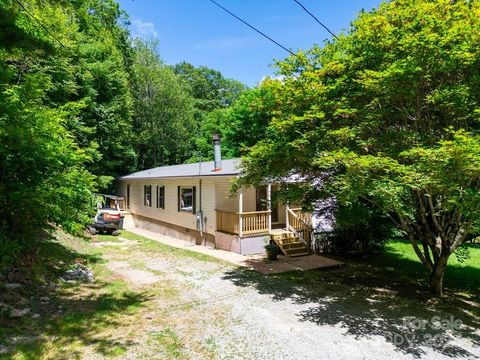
200, 33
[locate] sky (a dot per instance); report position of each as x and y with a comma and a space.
198, 32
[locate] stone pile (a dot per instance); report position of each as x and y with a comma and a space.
79, 273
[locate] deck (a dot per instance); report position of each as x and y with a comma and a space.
287, 264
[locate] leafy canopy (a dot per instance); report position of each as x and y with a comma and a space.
388, 114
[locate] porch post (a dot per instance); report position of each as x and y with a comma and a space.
240, 210
269, 207
286, 215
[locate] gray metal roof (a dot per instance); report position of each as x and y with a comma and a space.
229, 167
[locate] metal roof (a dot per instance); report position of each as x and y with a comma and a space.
229, 167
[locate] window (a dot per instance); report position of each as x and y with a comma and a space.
186, 199
160, 197
128, 196
147, 195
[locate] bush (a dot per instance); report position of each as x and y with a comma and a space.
357, 227
10, 251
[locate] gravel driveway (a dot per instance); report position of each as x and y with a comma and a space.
220, 311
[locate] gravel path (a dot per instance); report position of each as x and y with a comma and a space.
237, 314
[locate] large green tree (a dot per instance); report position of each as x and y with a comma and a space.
65, 113
213, 94
164, 111
105, 56
210, 89
243, 123
388, 114
43, 180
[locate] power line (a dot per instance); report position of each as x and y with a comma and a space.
318, 21
52, 35
250, 26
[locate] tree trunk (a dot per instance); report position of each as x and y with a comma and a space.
436, 277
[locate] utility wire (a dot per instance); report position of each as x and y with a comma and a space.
318, 21
53, 36
250, 26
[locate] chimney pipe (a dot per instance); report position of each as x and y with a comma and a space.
217, 152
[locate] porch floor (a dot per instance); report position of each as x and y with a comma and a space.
286, 264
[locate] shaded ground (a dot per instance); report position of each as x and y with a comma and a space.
153, 301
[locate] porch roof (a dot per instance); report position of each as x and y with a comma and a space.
204, 168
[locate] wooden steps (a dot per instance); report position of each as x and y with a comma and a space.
289, 243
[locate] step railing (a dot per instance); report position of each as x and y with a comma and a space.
300, 223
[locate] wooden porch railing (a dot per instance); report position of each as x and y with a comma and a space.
228, 222
252, 223
301, 224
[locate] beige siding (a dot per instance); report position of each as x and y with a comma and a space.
227, 203
171, 214
208, 205
215, 195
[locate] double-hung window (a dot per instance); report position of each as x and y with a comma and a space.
186, 199
160, 197
147, 195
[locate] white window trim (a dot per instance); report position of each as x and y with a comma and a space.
181, 199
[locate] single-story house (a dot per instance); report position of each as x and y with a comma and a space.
193, 202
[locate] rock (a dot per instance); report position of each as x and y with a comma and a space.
35, 316
78, 273
44, 299
51, 286
12, 286
15, 313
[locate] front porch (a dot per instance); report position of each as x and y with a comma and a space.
288, 226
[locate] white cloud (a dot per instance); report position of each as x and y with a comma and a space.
143, 29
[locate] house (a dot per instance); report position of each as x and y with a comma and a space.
193, 202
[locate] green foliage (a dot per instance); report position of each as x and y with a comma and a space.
213, 94
208, 87
42, 178
164, 111
388, 114
358, 226
63, 127
241, 125
105, 124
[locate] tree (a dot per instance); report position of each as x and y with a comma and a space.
164, 120
388, 114
242, 124
212, 94
103, 84
43, 180
208, 86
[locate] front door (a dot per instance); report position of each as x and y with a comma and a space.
262, 203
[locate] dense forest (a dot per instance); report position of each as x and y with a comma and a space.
82, 102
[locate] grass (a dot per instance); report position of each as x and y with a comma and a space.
154, 246
168, 342
102, 317
399, 258
107, 318
73, 317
